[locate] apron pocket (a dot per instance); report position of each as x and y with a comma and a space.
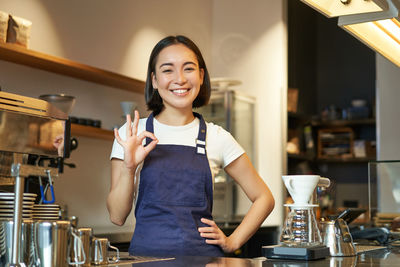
178, 188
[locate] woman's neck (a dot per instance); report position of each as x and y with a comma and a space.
175, 117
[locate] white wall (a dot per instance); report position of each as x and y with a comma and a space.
249, 44
119, 37
388, 109
388, 128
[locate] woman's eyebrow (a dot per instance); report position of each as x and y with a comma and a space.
165, 64
184, 64
189, 63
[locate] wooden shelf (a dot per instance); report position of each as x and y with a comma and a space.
299, 116
92, 132
345, 160
18, 54
334, 123
301, 156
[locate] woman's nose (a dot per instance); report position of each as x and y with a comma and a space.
180, 77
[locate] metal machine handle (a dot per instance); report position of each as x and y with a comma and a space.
44, 191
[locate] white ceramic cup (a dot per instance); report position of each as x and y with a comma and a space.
301, 187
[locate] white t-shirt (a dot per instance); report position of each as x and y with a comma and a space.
221, 147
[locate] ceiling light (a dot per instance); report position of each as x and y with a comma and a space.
335, 8
379, 30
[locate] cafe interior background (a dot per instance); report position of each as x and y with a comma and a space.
269, 46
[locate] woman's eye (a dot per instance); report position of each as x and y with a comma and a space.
189, 69
166, 70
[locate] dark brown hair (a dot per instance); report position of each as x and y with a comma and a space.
153, 99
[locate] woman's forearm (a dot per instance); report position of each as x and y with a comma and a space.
258, 212
243, 172
120, 197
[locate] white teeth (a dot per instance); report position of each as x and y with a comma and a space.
180, 91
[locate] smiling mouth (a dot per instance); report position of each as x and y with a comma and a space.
180, 91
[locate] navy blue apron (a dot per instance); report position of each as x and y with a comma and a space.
175, 192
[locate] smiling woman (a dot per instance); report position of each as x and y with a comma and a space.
165, 164
191, 62
178, 78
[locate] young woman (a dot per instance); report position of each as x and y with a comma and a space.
165, 164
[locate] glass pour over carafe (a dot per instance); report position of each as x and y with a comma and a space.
301, 228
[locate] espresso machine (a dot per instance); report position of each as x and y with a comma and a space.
300, 238
29, 127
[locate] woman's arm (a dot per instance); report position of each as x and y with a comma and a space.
243, 172
120, 197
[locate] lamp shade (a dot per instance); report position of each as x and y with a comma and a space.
336, 8
380, 31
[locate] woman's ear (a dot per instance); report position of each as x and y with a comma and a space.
154, 81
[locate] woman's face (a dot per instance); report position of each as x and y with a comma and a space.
177, 77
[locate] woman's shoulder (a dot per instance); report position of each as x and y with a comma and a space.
214, 127
216, 130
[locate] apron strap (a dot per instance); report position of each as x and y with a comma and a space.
201, 137
149, 128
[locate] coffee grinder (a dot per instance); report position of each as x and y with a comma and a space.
300, 238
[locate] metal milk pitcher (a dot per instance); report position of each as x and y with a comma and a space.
100, 251
85, 235
53, 243
6, 242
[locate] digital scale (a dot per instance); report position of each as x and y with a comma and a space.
295, 253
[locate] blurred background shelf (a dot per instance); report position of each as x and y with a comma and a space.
301, 156
27, 57
92, 132
336, 123
346, 160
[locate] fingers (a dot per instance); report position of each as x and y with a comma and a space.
207, 221
145, 134
150, 146
206, 229
153, 143
128, 125
135, 123
212, 234
213, 241
117, 137
209, 235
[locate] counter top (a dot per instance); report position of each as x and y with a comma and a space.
382, 257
